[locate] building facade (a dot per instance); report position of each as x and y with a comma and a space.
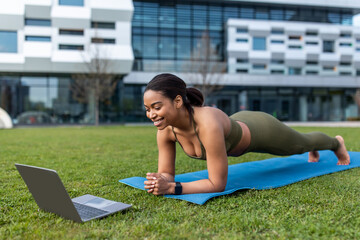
298, 60
43, 43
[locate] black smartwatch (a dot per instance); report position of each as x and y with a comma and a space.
178, 188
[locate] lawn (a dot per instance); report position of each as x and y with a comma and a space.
92, 160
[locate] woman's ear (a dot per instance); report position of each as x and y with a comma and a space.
178, 101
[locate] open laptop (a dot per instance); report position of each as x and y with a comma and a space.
50, 195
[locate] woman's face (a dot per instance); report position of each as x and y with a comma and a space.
160, 109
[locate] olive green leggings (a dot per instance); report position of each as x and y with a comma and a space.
269, 135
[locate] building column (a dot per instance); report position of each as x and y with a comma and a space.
336, 111
303, 108
243, 100
317, 108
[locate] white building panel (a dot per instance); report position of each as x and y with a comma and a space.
12, 15
39, 54
295, 47
38, 9
70, 17
111, 10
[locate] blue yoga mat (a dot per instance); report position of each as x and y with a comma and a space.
264, 174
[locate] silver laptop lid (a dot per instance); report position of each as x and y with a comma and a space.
48, 191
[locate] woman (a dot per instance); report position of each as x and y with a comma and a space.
208, 133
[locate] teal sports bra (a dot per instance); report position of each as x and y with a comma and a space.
231, 140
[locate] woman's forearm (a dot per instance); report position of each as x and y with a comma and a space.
200, 186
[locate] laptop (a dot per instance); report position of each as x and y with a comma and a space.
50, 195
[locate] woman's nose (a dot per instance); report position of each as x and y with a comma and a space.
152, 114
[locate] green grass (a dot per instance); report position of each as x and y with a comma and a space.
92, 160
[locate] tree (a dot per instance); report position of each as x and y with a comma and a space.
206, 71
96, 84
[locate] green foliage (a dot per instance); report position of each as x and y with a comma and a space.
92, 160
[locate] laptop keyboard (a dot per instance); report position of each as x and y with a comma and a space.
87, 212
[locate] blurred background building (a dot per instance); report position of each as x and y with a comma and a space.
297, 60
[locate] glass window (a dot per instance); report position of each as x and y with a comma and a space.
137, 45
276, 14
345, 73
277, 31
247, 13
290, 15
347, 19
277, 41
342, 44
261, 13
294, 71
167, 31
328, 46
241, 40
103, 40
333, 17
167, 47
274, 71
137, 16
150, 47
305, 15
8, 41
241, 30
71, 2
33, 81
259, 43
183, 16
242, 60
37, 38
200, 18
327, 68
276, 61
150, 16
295, 47
183, 49
150, 31
103, 25
294, 37
230, 12
312, 62
241, 70
311, 72
215, 18
345, 63
259, 66
311, 33
345, 35
319, 15
37, 22
71, 32
71, 47
167, 16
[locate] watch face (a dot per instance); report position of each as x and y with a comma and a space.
178, 188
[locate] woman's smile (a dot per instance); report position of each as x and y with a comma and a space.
158, 122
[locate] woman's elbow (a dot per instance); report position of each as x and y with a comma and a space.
218, 187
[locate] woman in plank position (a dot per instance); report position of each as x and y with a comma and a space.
208, 133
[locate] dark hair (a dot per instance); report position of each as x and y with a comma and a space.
171, 86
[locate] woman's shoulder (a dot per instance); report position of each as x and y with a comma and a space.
210, 116
204, 112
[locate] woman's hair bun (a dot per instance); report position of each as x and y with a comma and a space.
194, 96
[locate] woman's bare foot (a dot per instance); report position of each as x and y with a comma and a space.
314, 156
341, 153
